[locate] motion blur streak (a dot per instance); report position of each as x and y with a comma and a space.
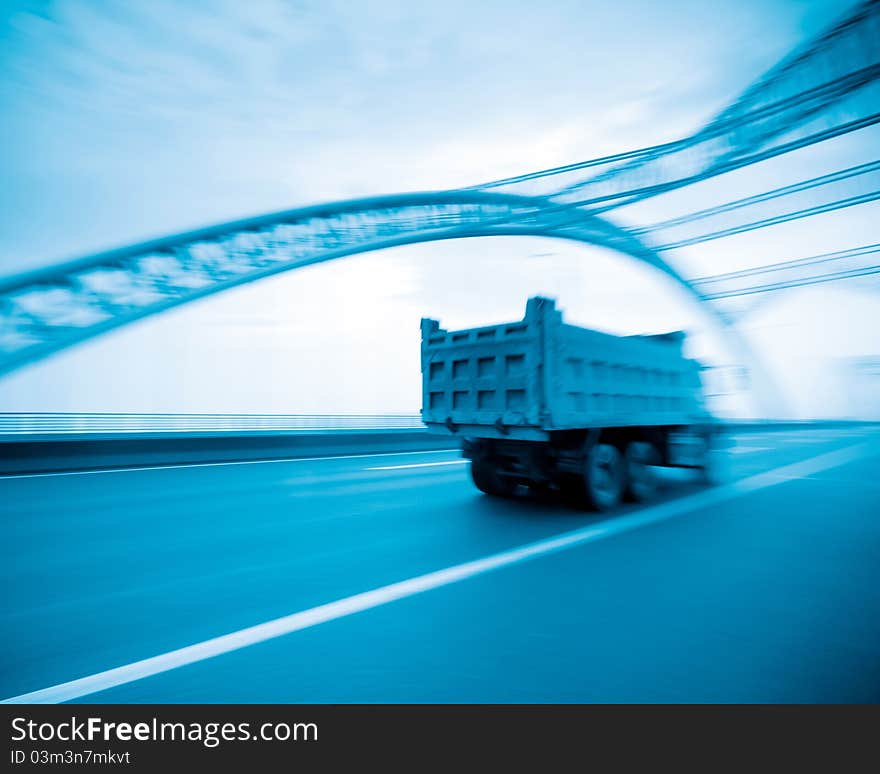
175, 466
418, 465
341, 608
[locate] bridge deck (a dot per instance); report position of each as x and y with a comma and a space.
766, 590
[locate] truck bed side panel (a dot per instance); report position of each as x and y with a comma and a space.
599, 380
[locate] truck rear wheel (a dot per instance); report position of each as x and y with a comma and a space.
600, 487
714, 469
641, 479
487, 479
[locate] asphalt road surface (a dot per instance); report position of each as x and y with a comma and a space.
390, 578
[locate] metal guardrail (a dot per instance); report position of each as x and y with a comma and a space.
23, 426
20, 426
39, 443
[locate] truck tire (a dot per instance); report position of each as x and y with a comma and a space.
641, 478
715, 467
600, 487
488, 480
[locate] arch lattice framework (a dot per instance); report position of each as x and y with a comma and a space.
50, 309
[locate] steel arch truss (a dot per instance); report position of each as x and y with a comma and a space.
47, 310
825, 88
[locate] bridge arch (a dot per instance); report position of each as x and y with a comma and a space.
50, 309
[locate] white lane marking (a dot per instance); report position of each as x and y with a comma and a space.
419, 465
221, 464
367, 600
749, 449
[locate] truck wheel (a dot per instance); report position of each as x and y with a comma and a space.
601, 485
641, 479
487, 479
715, 467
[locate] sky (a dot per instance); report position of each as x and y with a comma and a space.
127, 120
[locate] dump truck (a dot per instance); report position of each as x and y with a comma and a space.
548, 405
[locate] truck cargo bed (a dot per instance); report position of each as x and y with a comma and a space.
529, 378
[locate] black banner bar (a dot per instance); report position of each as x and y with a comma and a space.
150, 737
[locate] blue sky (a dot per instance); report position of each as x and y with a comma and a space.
126, 120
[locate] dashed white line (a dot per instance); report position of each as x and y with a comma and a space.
182, 466
368, 600
419, 465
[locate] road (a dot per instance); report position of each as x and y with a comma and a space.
245, 583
